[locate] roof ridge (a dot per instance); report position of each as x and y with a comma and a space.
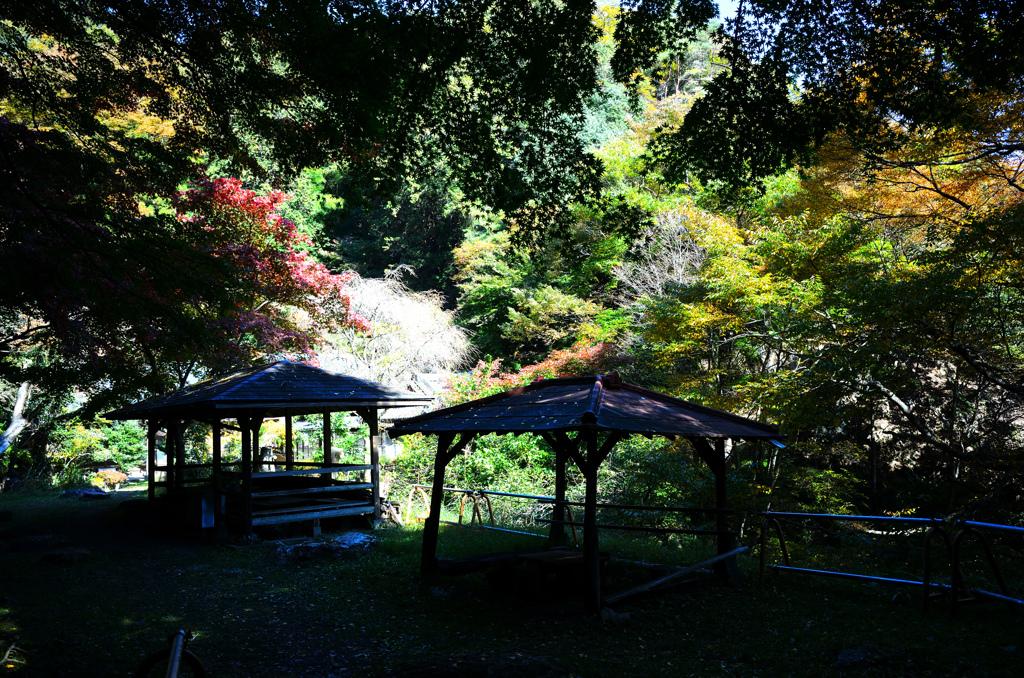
594, 402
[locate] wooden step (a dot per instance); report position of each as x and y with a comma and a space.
344, 468
311, 507
311, 490
313, 514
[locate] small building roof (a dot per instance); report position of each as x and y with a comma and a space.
275, 389
574, 403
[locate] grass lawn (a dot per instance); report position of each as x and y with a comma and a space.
98, 610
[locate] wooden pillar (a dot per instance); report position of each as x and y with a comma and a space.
557, 532
723, 523
591, 548
152, 426
218, 517
431, 526
371, 421
257, 424
179, 451
328, 453
245, 429
714, 457
289, 449
169, 454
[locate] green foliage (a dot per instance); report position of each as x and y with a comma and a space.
877, 73
522, 304
15, 458
654, 473
580, 186
108, 111
811, 490
347, 439
505, 463
76, 444
124, 443
418, 227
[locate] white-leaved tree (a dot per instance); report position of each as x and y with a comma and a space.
671, 258
413, 341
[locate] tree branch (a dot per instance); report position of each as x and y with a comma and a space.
987, 371
914, 420
18, 420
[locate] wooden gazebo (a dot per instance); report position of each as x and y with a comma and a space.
600, 411
242, 496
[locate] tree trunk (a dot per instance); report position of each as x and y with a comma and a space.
18, 420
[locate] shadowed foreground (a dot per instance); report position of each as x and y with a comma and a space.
88, 589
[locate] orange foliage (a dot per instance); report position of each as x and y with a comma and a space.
580, 360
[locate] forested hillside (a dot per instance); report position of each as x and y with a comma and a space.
810, 214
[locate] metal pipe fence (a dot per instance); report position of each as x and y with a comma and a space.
957, 591
476, 518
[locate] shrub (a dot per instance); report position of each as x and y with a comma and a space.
109, 479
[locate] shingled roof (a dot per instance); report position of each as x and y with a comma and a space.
598, 402
275, 389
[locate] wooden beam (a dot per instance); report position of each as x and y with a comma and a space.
572, 447
727, 568
668, 579
563, 447
315, 505
169, 455
313, 490
257, 427
326, 471
613, 438
708, 455
313, 514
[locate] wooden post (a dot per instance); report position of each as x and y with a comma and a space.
218, 517
169, 454
726, 542
557, 532
591, 549
727, 569
244, 425
289, 449
151, 430
328, 454
257, 425
431, 526
371, 421
179, 447
565, 449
